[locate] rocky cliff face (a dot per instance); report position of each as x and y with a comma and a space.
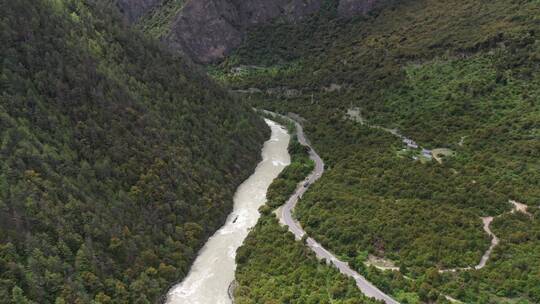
207, 30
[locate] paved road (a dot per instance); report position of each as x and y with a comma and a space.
286, 218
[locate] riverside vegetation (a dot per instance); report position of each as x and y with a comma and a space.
117, 159
463, 75
270, 258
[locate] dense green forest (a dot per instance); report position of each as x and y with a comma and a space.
117, 159
513, 270
459, 75
275, 268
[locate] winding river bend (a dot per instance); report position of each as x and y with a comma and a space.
213, 270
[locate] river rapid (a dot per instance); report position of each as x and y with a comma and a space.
213, 270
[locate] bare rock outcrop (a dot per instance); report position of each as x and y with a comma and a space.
208, 30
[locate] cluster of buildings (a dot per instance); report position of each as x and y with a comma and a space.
427, 153
411, 144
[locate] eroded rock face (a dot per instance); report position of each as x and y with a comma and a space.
208, 30
133, 9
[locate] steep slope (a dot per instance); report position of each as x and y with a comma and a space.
208, 30
135, 9
117, 159
460, 75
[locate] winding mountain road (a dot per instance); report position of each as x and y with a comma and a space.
286, 218
518, 207
355, 115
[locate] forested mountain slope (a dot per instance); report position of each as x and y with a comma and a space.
460, 77
208, 30
117, 160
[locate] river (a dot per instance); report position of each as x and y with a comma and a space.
213, 269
